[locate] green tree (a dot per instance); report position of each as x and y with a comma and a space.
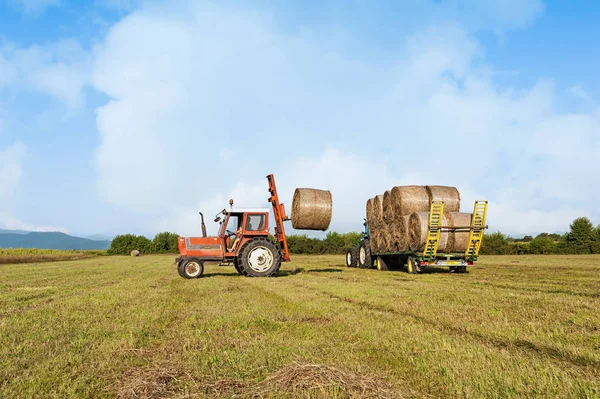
165, 242
124, 244
581, 235
542, 244
527, 239
495, 244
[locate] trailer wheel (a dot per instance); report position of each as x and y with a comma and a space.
461, 269
381, 264
352, 257
412, 266
364, 255
191, 268
453, 269
259, 257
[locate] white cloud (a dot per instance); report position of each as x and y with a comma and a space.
36, 6
205, 100
59, 70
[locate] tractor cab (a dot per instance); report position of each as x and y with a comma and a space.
239, 225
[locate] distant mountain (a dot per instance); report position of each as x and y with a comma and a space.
13, 231
49, 240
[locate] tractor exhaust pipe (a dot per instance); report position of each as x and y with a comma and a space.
203, 225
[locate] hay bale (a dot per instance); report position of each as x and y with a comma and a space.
388, 210
459, 240
418, 225
311, 209
406, 200
378, 208
402, 232
449, 195
135, 252
370, 212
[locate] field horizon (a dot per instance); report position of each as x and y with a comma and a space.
117, 326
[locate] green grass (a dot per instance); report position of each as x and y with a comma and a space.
29, 255
525, 326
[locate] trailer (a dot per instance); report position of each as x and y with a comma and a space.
416, 261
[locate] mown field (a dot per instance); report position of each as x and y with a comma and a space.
27, 255
131, 327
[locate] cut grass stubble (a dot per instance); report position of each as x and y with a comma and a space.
131, 327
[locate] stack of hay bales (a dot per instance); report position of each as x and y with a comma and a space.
399, 219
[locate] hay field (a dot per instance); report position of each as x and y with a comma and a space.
127, 327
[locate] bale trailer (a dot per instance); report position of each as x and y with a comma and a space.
416, 261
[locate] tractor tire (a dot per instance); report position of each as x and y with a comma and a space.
352, 257
237, 267
191, 268
412, 266
259, 257
364, 255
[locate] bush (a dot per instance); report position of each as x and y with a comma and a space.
165, 243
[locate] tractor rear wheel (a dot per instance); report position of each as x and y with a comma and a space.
352, 257
259, 257
237, 267
191, 268
364, 255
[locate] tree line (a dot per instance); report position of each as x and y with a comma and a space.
582, 238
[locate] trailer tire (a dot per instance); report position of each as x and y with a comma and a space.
461, 269
259, 257
364, 255
381, 263
412, 266
191, 268
352, 257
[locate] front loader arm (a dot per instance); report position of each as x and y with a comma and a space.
280, 217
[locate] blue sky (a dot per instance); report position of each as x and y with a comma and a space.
130, 116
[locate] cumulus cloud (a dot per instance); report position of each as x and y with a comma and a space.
59, 70
204, 100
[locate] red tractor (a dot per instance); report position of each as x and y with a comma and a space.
243, 241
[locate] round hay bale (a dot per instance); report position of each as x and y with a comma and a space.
378, 208
374, 239
449, 195
135, 252
371, 216
388, 210
459, 240
418, 224
402, 231
386, 239
407, 200
311, 209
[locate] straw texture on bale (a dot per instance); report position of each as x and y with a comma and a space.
311, 209
449, 195
369, 211
378, 208
388, 211
135, 252
405, 200
459, 240
418, 226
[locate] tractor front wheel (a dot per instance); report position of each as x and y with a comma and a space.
259, 257
190, 268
